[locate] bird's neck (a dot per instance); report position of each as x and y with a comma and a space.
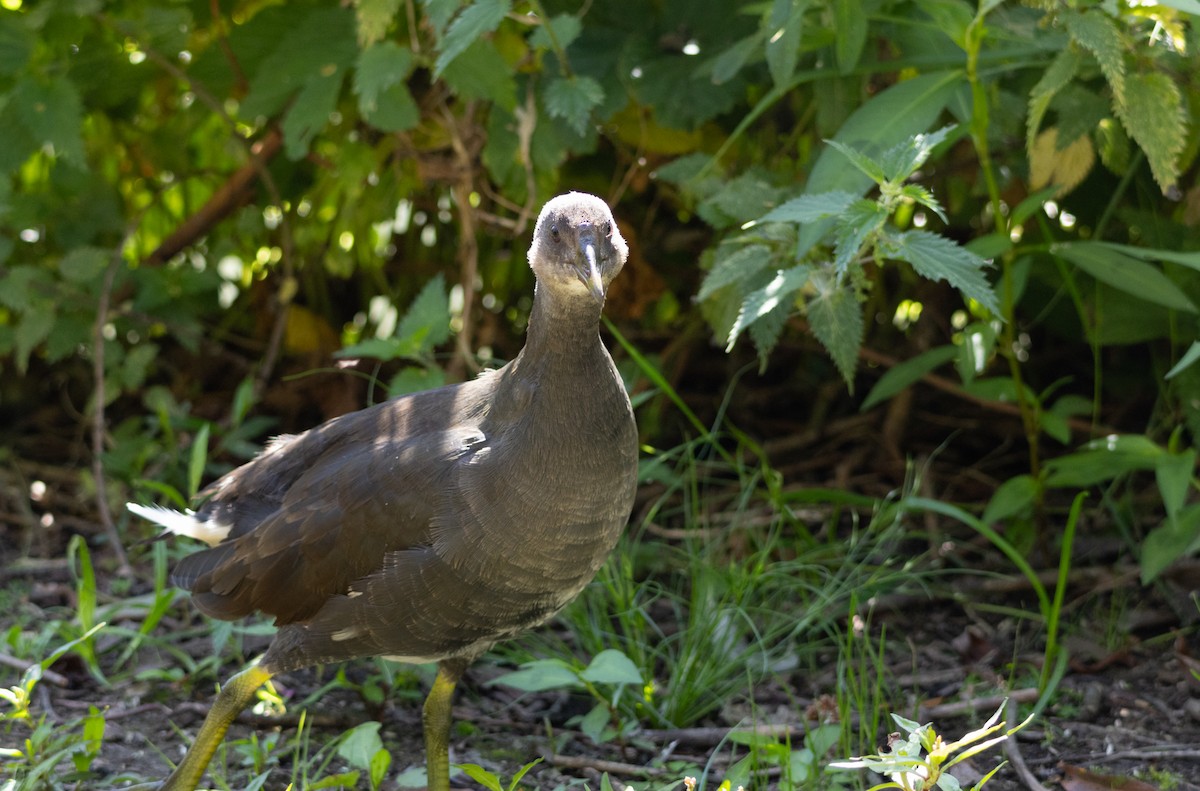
563, 324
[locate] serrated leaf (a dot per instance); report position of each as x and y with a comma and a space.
918, 194
1153, 114
52, 113
396, 111
902, 160
1078, 111
1096, 32
836, 318
476, 20
1126, 273
380, 67
374, 19
427, 321
864, 163
938, 258
734, 267
1066, 168
16, 42
809, 208
611, 666
904, 374
1056, 77
765, 332
856, 225
572, 99
309, 114
83, 264
785, 25
440, 12
762, 301
322, 42
565, 27
1113, 145
481, 72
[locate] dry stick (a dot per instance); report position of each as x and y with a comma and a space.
98, 395
468, 246
57, 679
1013, 752
600, 765
961, 707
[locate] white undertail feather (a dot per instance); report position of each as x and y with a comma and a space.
182, 523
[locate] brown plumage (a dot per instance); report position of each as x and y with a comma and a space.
431, 526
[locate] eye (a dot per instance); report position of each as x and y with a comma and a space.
554, 232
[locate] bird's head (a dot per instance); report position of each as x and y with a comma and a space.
577, 248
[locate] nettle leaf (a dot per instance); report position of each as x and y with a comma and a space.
310, 113
809, 208
1096, 32
572, 99
440, 12
1153, 114
396, 110
766, 331
379, 67
1078, 112
785, 24
1066, 167
374, 19
565, 27
1125, 273
481, 72
1113, 145
901, 161
321, 43
835, 317
735, 267
427, 321
1057, 75
861, 161
52, 113
918, 194
938, 258
480, 18
764, 300
857, 224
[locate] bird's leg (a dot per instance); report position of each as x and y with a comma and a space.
234, 696
436, 720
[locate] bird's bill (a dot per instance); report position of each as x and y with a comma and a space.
590, 273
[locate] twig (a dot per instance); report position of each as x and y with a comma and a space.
991, 702
1013, 752
99, 400
57, 679
600, 765
468, 246
711, 736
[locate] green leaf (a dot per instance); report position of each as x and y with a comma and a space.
1102, 460
380, 67
868, 166
540, 675
850, 25
482, 776
976, 349
1125, 273
1014, 497
952, 17
594, 723
83, 264
920, 195
396, 111
374, 19
1056, 76
858, 223
476, 20
1188, 259
360, 744
761, 302
566, 28
611, 666
907, 373
572, 99
1170, 541
1153, 114
198, 459
726, 65
740, 265
1096, 32
785, 24
1173, 473
1186, 361
481, 72
16, 43
902, 160
809, 208
836, 318
938, 258
426, 324
52, 113
309, 114
31, 330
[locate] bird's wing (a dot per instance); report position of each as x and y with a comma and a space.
340, 499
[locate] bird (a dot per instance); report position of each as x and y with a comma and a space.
431, 526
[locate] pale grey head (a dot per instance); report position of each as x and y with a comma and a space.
577, 248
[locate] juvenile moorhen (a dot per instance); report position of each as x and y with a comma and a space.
429, 527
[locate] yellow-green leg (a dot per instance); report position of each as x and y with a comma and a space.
436, 719
234, 696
